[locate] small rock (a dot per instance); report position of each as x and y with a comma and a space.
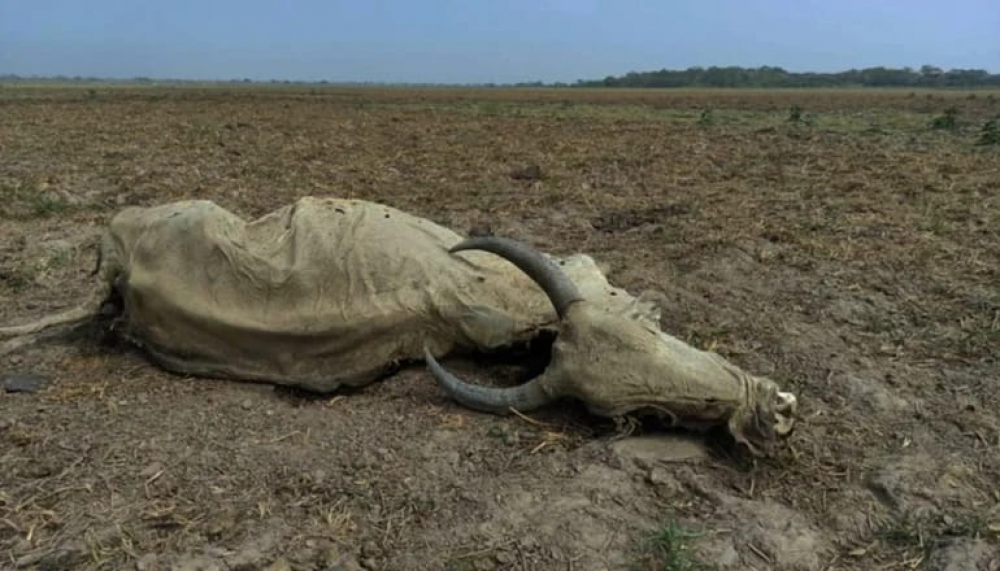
721, 552
659, 476
647, 451
38, 470
344, 563
280, 564
368, 460
511, 438
197, 563
151, 470
504, 557
146, 563
528, 543
24, 382
247, 404
528, 172
369, 563
965, 553
481, 229
872, 393
245, 560
370, 549
220, 524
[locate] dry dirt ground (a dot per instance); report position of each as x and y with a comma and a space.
853, 255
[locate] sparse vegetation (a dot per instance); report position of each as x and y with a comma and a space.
795, 114
15, 280
46, 205
20, 199
948, 120
669, 549
989, 135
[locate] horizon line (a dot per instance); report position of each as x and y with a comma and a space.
524, 83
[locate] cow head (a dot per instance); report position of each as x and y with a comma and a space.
618, 364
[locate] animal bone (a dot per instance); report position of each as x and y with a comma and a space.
326, 293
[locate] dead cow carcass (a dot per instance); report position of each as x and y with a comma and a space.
326, 293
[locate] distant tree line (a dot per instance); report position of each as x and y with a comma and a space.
928, 76
768, 76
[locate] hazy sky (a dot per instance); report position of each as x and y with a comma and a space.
484, 40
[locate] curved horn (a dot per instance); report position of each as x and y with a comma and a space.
560, 290
526, 397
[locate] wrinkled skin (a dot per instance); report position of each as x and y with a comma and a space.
327, 293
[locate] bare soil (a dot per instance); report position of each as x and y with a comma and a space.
853, 255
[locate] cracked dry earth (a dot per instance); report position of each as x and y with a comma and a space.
856, 259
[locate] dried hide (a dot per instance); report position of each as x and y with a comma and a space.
318, 294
